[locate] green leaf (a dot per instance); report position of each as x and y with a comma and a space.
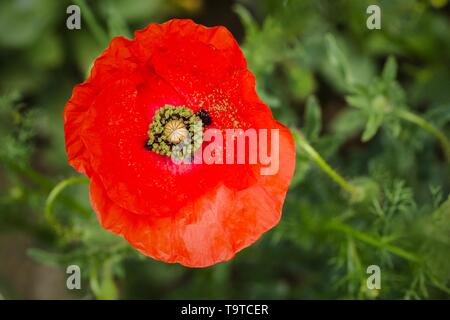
246, 18
92, 23
338, 59
394, 126
437, 245
47, 258
117, 25
22, 23
313, 118
102, 281
436, 194
390, 70
372, 126
302, 81
302, 168
348, 123
358, 101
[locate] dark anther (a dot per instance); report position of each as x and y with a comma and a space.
204, 115
147, 146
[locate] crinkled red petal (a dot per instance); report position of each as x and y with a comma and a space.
193, 214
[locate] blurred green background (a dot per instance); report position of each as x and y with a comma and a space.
373, 104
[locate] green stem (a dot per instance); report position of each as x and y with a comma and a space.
364, 237
317, 158
98, 32
439, 285
424, 124
49, 203
45, 185
32, 175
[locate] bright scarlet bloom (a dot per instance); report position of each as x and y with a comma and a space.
193, 214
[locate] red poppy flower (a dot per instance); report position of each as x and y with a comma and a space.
117, 132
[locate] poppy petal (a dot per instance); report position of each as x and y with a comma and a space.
196, 214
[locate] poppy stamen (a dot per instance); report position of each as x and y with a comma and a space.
175, 131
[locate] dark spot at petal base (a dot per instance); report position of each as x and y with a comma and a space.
205, 117
147, 146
